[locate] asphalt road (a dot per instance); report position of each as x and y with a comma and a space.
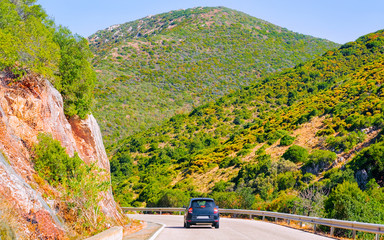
232, 229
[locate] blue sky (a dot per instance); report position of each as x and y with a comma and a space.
340, 21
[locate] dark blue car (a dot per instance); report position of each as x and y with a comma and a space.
201, 211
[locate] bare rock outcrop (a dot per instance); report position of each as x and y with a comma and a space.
28, 107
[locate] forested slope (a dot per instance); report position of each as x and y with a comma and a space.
155, 67
307, 140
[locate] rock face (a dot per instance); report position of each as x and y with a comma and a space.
27, 108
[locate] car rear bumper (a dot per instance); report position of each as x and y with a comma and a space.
203, 221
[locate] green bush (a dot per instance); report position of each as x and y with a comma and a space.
296, 154
229, 162
345, 142
287, 140
241, 199
349, 202
286, 180
80, 183
52, 161
173, 198
308, 177
273, 136
372, 160
26, 39
76, 73
325, 132
319, 160
226, 199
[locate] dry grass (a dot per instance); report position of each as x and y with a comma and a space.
11, 226
206, 181
305, 137
134, 226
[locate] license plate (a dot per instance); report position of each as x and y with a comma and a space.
202, 217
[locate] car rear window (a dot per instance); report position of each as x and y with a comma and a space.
202, 203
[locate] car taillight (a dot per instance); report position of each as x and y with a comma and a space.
215, 210
190, 210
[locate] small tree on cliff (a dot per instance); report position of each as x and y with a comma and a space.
76, 73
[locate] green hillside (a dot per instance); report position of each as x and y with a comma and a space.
307, 140
155, 67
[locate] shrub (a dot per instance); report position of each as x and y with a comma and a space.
345, 202
26, 39
80, 183
229, 162
77, 76
222, 186
287, 140
284, 203
286, 180
227, 199
318, 160
346, 142
372, 160
273, 136
311, 202
52, 161
173, 198
296, 154
325, 132
308, 177
349, 202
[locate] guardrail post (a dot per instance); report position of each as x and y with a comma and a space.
377, 236
250, 216
301, 224
288, 221
160, 212
263, 217
275, 219
314, 228
354, 234
332, 231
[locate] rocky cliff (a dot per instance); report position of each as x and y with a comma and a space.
28, 107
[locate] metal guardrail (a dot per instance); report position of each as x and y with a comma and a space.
332, 223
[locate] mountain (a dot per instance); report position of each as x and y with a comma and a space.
305, 140
152, 68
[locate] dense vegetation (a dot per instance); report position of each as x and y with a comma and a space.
80, 186
225, 148
155, 67
30, 43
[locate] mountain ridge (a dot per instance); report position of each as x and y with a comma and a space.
185, 58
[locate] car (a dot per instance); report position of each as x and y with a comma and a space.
202, 211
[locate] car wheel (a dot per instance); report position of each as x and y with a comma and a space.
187, 225
217, 225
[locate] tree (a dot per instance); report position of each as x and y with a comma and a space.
76, 73
296, 154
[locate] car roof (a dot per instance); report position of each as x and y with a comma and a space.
201, 198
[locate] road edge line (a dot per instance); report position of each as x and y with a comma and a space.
154, 236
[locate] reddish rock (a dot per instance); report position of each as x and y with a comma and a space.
27, 108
